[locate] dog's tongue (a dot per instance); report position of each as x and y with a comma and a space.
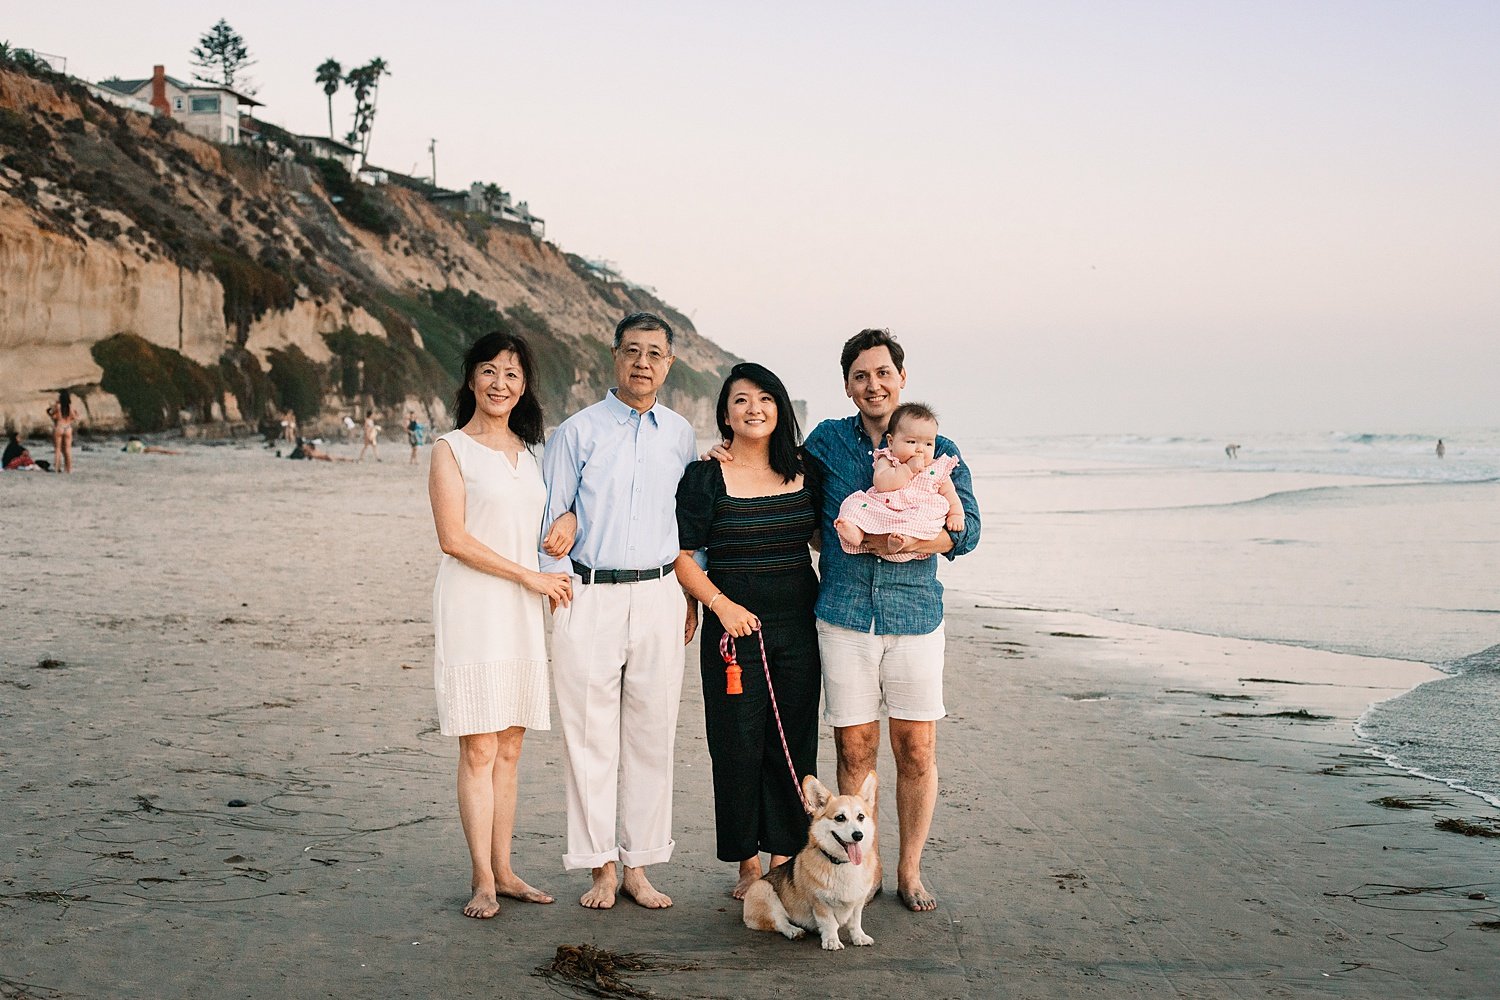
856, 854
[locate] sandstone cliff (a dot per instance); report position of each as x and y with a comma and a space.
113, 222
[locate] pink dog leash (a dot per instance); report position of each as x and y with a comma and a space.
731, 661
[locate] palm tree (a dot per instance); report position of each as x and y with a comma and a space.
330, 75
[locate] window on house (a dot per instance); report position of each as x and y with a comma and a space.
206, 104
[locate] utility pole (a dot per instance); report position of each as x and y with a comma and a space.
432, 148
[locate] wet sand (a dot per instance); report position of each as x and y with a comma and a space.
183, 633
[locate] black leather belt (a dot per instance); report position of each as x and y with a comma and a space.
620, 575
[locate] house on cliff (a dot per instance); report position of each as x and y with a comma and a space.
493, 201
324, 148
204, 109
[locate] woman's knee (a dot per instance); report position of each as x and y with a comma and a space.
478, 750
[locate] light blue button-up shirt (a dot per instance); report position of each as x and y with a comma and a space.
617, 470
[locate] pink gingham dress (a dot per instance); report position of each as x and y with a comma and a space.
916, 510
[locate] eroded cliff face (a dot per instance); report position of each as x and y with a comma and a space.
112, 222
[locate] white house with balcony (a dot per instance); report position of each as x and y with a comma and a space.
204, 109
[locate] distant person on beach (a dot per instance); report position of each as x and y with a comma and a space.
755, 517
1441, 449
912, 495
135, 446
489, 603
413, 435
308, 449
371, 438
618, 649
289, 427
880, 624
64, 417
1232, 450
17, 458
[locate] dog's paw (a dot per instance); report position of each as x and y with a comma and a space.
833, 944
793, 933
861, 940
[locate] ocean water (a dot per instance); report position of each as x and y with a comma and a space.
1358, 543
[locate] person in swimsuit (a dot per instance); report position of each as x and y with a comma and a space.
63, 418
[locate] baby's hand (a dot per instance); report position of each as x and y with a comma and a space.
955, 521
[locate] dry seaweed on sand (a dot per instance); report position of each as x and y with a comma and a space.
597, 972
1453, 824
1401, 802
1300, 715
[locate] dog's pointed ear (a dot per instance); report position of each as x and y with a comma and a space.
867, 790
816, 792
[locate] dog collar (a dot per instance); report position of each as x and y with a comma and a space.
830, 857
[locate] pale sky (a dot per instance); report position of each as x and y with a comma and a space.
1145, 217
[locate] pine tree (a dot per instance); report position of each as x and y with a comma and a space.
221, 55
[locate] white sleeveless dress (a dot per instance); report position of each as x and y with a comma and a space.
490, 651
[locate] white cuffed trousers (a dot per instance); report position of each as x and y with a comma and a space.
617, 662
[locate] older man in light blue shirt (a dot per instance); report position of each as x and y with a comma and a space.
617, 649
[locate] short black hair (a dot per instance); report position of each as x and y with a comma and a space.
526, 419
866, 339
642, 321
786, 438
909, 411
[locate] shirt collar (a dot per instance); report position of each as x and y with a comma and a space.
623, 412
857, 429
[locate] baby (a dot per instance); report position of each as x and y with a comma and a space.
912, 494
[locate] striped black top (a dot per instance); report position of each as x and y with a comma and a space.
757, 546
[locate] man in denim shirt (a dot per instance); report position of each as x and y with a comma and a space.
880, 623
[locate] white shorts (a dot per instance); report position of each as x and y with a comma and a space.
864, 673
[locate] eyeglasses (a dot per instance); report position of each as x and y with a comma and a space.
632, 354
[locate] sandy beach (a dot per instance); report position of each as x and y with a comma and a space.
222, 777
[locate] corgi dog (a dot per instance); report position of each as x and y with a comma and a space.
824, 886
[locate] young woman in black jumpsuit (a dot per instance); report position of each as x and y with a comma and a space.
756, 522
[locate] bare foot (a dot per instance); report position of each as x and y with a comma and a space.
639, 888
601, 896
749, 873
916, 898
516, 888
850, 534
483, 906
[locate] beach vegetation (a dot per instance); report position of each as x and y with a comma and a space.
350, 198
298, 381
244, 378
384, 369
155, 384
251, 288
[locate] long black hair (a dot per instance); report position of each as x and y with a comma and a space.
526, 419
786, 438
64, 403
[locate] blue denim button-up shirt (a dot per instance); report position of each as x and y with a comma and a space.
902, 598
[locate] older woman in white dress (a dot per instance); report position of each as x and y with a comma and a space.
489, 603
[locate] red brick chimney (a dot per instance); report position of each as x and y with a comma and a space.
159, 90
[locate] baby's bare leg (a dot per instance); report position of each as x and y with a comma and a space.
849, 533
